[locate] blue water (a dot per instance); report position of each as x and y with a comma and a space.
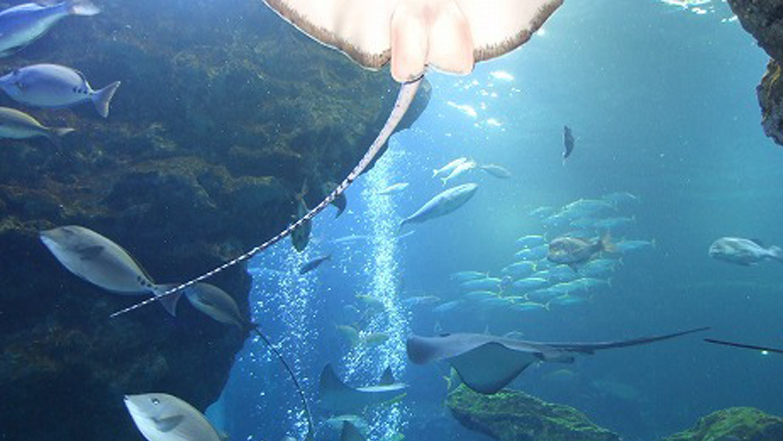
662, 102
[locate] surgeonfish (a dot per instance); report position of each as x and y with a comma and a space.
54, 86
25, 23
313, 264
19, 125
393, 189
164, 417
102, 262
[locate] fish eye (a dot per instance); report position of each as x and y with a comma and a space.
155, 401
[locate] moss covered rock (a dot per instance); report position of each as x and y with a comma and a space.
734, 424
517, 416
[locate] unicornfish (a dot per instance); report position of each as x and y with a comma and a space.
102, 262
164, 417
19, 125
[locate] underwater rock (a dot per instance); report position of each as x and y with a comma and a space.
225, 111
764, 20
517, 416
734, 424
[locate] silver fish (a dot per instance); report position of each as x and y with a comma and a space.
313, 264
442, 204
446, 169
102, 262
164, 417
19, 125
23, 24
743, 251
496, 171
459, 170
54, 86
394, 188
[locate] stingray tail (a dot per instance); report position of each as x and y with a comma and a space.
300, 391
744, 346
404, 100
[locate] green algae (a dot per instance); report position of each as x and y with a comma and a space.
516, 416
740, 423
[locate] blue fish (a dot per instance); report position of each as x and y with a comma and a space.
23, 24
54, 86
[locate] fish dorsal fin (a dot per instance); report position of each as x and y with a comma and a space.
90, 253
758, 242
351, 433
387, 378
330, 383
168, 424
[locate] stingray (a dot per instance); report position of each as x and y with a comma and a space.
410, 35
487, 364
339, 397
744, 346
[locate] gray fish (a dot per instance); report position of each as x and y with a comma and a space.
574, 251
496, 171
300, 236
442, 204
164, 417
743, 251
19, 125
568, 142
313, 264
23, 24
102, 262
217, 304
54, 86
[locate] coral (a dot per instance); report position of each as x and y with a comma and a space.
734, 424
224, 111
516, 416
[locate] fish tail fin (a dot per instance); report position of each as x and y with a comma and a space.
55, 135
82, 7
434, 172
652, 242
776, 252
445, 181
169, 302
607, 244
546, 305
402, 225
102, 98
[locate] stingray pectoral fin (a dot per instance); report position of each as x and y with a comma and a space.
500, 26
358, 28
490, 367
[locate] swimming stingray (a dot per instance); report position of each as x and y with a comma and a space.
410, 35
339, 397
487, 364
